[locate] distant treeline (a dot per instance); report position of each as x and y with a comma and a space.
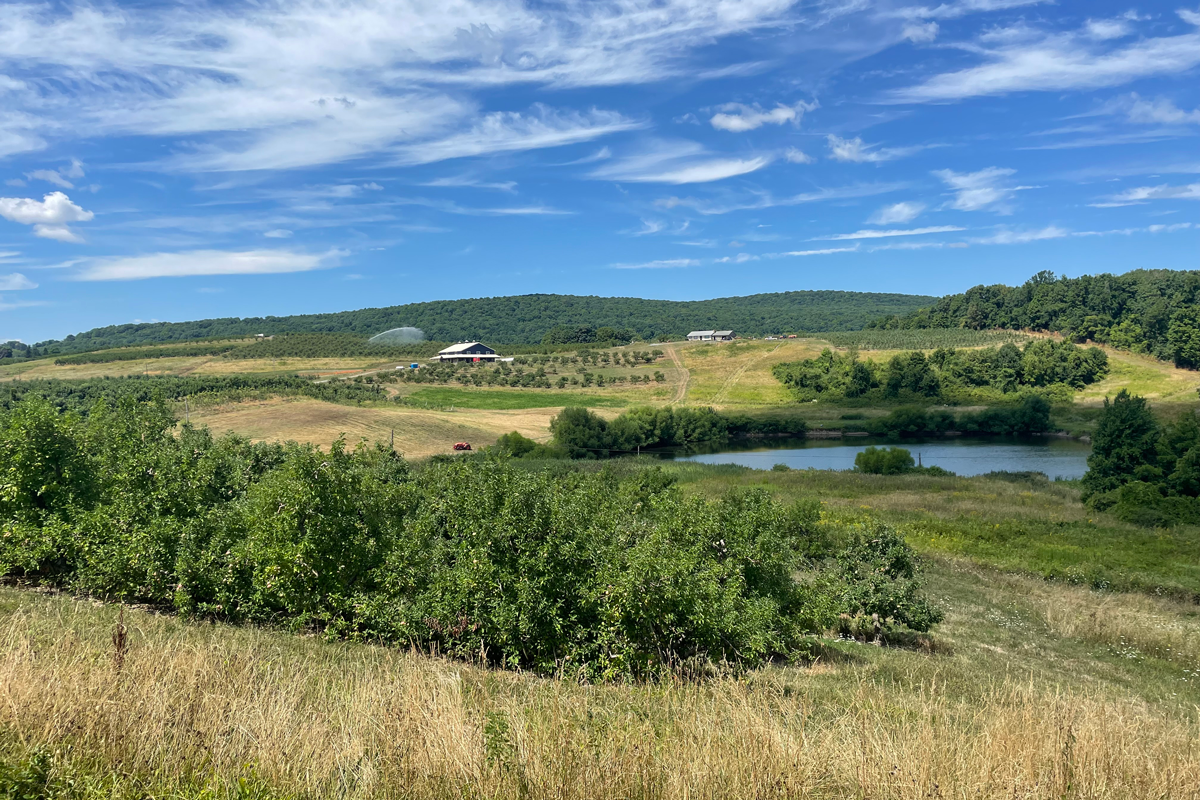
332, 345
80, 395
947, 374
1146, 311
139, 353
529, 318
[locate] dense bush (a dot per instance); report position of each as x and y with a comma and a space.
1144, 472
947, 373
578, 433
1147, 311
1030, 416
587, 575
884, 461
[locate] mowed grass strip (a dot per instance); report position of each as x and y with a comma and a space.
510, 399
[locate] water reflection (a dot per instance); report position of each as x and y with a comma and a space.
1056, 457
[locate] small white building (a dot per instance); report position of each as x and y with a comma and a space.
710, 336
468, 351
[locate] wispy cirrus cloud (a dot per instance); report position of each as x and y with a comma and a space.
858, 152
887, 234
204, 262
1023, 236
1144, 194
677, 163
16, 282
897, 213
987, 189
760, 200
670, 263
1021, 58
822, 252
286, 85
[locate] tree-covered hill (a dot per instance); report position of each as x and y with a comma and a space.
526, 319
1146, 311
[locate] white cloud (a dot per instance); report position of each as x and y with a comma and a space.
15, 282
15, 182
204, 262
1023, 237
1142, 194
738, 118
677, 163
49, 218
854, 150
1105, 29
740, 258
308, 82
60, 233
278, 233
507, 131
825, 252
977, 191
673, 263
1151, 111
960, 9
795, 156
649, 226
877, 234
920, 32
50, 176
1030, 60
475, 183
760, 200
897, 213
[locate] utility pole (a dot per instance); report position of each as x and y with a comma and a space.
187, 412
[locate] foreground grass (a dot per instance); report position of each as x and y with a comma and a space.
1031, 690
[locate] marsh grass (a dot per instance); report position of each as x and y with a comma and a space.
1032, 525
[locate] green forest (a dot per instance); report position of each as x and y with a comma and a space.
1145, 311
591, 575
527, 319
947, 374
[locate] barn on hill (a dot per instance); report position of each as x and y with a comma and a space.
710, 336
468, 351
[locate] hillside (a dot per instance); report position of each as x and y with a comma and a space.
527, 318
1146, 311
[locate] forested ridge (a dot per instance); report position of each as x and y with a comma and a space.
1146, 311
526, 319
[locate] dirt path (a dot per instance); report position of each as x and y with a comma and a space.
735, 376
681, 389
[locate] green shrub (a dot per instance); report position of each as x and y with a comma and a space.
884, 461
594, 575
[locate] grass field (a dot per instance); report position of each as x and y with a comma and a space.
418, 432
1030, 688
493, 399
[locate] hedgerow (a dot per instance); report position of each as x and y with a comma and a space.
593, 575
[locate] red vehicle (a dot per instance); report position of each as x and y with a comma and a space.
462, 446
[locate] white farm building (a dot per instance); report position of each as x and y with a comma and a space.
468, 351
710, 336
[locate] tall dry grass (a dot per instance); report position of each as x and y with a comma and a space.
356, 721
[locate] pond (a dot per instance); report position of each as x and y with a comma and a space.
1056, 457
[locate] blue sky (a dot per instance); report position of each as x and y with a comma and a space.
181, 161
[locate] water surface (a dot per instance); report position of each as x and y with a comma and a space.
1056, 457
